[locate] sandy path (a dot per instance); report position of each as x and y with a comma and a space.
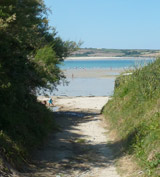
80, 149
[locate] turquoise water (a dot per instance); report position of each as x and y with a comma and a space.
109, 63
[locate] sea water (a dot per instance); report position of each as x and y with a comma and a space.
87, 87
105, 63
94, 86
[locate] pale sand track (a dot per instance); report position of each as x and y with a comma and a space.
81, 148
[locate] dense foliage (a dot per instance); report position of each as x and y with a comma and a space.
29, 54
134, 112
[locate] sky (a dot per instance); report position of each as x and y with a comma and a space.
112, 24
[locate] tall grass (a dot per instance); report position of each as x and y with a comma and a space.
134, 112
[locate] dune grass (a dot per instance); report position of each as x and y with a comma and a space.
134, 112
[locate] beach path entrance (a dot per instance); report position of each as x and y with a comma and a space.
81, 148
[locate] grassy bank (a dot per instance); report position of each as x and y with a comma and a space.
134, 112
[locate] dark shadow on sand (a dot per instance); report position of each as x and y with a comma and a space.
63, 149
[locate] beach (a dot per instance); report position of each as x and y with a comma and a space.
92, 73
63, 103
93, 76
88, 82
82, 81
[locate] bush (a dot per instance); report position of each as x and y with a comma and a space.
23, 129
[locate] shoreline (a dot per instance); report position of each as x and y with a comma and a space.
76, 102
87, 82
108, 58
93, 73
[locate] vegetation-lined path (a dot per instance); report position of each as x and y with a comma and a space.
79, 150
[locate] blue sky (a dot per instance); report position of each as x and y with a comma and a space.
118, 24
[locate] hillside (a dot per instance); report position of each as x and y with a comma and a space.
134, 113
94, 52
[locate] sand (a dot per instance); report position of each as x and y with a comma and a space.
92, 73
80, 103
77, 103
81, 148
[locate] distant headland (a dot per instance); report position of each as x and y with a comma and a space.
102, 52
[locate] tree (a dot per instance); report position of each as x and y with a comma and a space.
25, 34
29, 58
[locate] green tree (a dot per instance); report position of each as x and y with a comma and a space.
29, 58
